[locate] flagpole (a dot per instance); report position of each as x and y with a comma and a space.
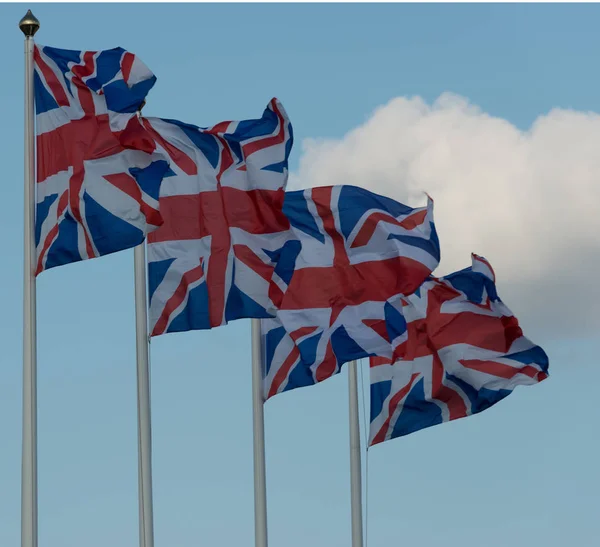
258, 419
355, 457
29, 25
146, 517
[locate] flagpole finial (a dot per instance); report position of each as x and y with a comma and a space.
29, 25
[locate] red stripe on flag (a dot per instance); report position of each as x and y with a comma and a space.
85, 93
328, 366
181, 159
413, 220
215, 222
226, 158
484, 331
320, 287
379, 326
253, 261
486, 264
400, 352
63, 201
126, 65
322, 200
136, 137
441, 392
512, 331
392, 405
301, 333
218, 129
86, 139
290, 361
191, 216
75, 198
377, 361
284, 370
188, 278
128, 185
263, 143
370, 225
58, 91
275, 294
499, 369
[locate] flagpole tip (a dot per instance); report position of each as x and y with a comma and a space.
29, 25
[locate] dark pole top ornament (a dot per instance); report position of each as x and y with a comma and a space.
29, 25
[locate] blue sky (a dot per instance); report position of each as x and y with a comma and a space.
523, 472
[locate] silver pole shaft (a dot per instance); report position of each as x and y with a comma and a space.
260, 481
146, 515
355, 458
29, 496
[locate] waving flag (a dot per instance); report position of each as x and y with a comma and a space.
97, 177
212, 260
308, 355
457, 351
283, 367
352, 251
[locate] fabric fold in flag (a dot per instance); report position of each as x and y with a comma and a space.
212, 260
351, 251
457, 350
98, 175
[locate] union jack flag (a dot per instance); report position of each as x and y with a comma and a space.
352, 251
309, 355
97, 176
457, 351
212, 260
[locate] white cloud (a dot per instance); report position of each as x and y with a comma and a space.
529, 201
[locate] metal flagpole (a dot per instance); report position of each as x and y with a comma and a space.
29, 25
355, 458
146, 516
258, 418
